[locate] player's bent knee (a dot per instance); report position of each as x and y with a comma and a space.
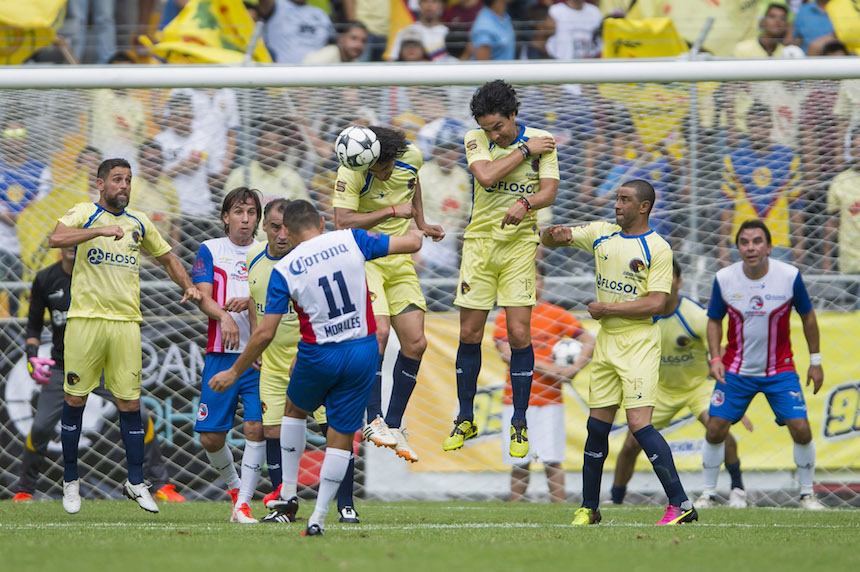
126, 405
213, 442
254, 431
800, 431
76, 400
718, 429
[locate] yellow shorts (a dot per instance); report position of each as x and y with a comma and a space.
319, 415
95, 344
273, 395
671, 402
393, 284
625, 368
496, 272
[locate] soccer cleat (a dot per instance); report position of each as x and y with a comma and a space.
738, 498
273, 496
72, 496
677, 515
22, 497
348, 515
402, 448
811, 502
140, 494
519, 439
168, 493
283, 511
378, 433
242, 514
462, 431
313, 530
585, 515
707, 499
234, 495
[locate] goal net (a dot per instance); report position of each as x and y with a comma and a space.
718, 148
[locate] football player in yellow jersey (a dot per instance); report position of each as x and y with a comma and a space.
384, 199
634, 279
515, 170
683, 384
103, 328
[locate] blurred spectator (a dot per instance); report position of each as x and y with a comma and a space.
78, 14
492, 33
773, 29
812, 27
762, 179
843, 206
534, 39
410, 47
461, 14
577, 28
457, 46
376, 16
351, 43
294, 29
118, 123
430, 30
155, 194
268, 170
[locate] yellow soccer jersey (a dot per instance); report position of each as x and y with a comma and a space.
364, 193
490, 205
280, 353
684, 358
626, 267
106, 280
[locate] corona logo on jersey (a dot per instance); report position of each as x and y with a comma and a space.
300, 265
96, 256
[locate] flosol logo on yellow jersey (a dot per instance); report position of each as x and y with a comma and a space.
507, 187
615, 285
96, 256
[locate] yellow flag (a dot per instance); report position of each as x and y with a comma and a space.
27, 27
845, 15
646, 38
210, 32
400, 18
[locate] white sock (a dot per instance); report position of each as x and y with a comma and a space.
804, 458
712, 459
292, 446
223, 462
334, 466
252, 464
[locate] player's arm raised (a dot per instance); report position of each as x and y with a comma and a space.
489, 172
208, 305
263, 335
177, 273
66, 236
406, 244
815, 373
557, 235
348, 218
434, 231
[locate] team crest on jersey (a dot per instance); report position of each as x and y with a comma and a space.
536, 164
202, 412
683, 341
72, 378
464, 287
756, 303
718, 397
636, 265
472, 145
135, 236
411, 184
372, 296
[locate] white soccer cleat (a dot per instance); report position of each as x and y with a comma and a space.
140, 494
401, 447
738, 498
72, 496
707, 500
242, 514
378, 433
811, 502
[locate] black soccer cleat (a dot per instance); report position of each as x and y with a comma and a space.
283, 512
313, 530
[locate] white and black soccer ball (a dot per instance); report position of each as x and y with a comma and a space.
357, 148
566, 351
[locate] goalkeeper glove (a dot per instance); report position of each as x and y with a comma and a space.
39, 368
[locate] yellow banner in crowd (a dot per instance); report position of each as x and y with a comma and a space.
646, 38
834, 413
209, 32
401, 17
27, 27
845, 15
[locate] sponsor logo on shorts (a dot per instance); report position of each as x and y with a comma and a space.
636, 265
203, 412
464, 287
718, 397
72, 378
265, 407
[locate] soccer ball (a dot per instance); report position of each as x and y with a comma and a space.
357, 148
566, 351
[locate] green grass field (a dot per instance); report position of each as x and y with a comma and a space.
455, 536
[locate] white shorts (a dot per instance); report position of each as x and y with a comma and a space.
547, 438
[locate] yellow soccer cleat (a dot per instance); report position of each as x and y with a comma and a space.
462, 430
584, 516
519, 440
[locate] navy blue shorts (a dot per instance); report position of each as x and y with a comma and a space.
337, 375
783, 392
216, 410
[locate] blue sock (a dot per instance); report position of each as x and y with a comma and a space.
344, 493
468, 367
522, 372
660, 455
374, 404
735, 473
594, 455
70, 434
273, 460
131, 428
405, 377
618, 494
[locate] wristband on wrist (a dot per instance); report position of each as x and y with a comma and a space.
525, 203
524, 149
712, 360
32, 351
393, 212
815, 359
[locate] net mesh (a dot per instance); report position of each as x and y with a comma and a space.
715, 152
